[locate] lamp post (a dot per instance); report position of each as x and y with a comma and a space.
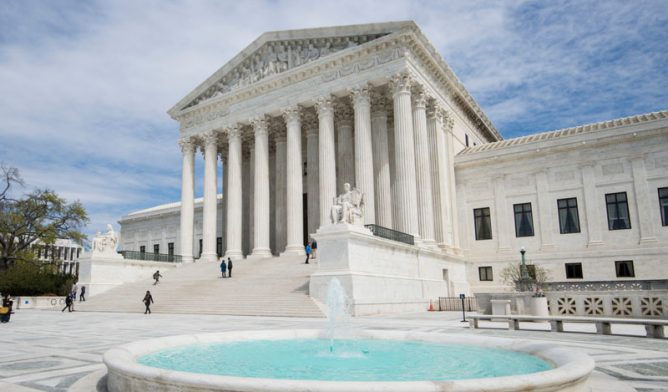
525, 280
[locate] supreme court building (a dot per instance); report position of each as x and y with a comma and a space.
298, 113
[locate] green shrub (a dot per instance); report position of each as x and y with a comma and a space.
26, 278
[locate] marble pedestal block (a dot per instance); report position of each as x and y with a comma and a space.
100, 274
383, 276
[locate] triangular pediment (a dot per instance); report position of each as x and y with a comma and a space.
280, 51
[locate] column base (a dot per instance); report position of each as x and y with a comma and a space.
208, 257
187, 259
259, 253
234, 254
294, 250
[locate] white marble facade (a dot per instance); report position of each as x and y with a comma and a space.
299, 113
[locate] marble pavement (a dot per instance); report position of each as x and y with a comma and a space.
52, 351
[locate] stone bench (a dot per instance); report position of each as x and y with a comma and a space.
654, 328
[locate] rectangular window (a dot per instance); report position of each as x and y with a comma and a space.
624, 269
618, 211
485, 274
569, 221
65, 253
219, 246
156, 249
142, 249
72, 253
663, 205
78, 252
170, 248
466, 139
523, 220
483, 224
200, 248
573, 270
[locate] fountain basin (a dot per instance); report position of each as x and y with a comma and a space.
569, 373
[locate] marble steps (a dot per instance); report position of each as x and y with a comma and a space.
269, 287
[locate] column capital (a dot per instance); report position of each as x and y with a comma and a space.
292, 115
233, 133
210, 138
187, 146
419, 98
401, 83
260, 126
361, 95
324, 106
448, 120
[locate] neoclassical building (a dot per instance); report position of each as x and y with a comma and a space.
298, 113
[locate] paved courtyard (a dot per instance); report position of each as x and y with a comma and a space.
54, 351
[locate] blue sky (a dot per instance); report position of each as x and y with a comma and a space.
85, 86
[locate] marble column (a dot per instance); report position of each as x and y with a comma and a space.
294, 184
312, 182
545, 211
438, 166
326, 158
281, 222
592, 206
345, 156
210, 205
364, 151
187, 199
223, 159
645, 223
272, 198
404, 154
234, 206
452, 224
261, 191
246, 200
423, 169
381, 161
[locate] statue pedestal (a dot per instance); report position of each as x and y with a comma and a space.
380, 275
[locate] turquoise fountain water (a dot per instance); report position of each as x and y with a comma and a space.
338, 359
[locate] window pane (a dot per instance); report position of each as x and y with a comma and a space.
618, 211
573, 270
483, 224
663, 205
523, 220
624, 269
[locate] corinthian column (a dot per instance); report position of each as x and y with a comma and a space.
294, 197
210, 207
422, 169
326, 157
261, 191
345, 157
234, 211
187, 199
381, 161
404, 155
364, 151
280, 218
438, 165
312, 198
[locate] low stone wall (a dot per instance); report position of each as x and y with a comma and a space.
626, 303
383, 276
100, 274
41, 302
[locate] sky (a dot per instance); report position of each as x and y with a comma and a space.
85, 85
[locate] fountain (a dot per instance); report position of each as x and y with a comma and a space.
342, 359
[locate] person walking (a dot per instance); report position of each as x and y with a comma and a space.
6, 310
73, 298
229, 267
308, 252
223, 268
82, 296
68, 303
314, 249
157, 277
148, 300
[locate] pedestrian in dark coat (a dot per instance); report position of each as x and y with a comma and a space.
223, 268
157, 277
68, 303
148, 300
229, 267
82, 296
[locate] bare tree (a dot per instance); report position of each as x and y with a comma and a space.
10, 176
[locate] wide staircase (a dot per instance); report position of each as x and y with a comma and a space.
276, 286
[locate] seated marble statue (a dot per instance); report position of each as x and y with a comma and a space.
348, 207
105, 243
